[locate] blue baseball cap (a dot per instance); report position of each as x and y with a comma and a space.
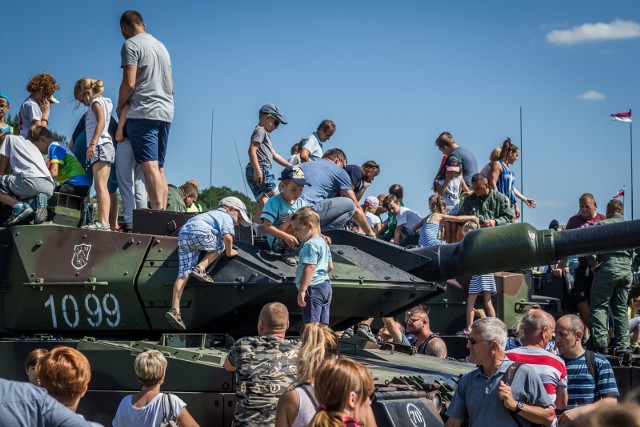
295, 174
275, 111
4, 95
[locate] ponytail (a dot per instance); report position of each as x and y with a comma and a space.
507, 148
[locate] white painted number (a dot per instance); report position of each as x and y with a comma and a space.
109, 310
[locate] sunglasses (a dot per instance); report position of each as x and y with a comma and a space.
473, 341
414, 320
276, 122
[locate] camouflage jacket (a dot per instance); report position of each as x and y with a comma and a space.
175, 200
616, 260
494, 206
266, 368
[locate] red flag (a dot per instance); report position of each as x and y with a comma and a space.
620, 193
622, 117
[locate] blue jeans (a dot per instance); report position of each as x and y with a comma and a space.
335, 213
267, 187
318, 301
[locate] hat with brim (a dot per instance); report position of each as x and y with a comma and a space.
234, 202
53, 100
5, 97
294, 174
275, 111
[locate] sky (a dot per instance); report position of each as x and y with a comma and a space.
391, 75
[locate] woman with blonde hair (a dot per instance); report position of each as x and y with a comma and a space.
344, 388
147, 408
296, 407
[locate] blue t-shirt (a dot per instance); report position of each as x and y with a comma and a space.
278, 210
314, 251
468, 162
581, 384
219, 222
327, 180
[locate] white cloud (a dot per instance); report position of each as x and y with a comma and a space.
592, 95
585, 33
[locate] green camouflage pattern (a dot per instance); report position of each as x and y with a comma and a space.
266, 368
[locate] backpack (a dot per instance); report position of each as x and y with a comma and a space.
590, 356
508, 377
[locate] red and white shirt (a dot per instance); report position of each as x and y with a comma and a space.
548, 366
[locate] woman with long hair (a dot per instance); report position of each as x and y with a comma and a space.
296, 407
502, 179
344, 388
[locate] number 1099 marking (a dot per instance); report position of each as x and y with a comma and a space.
96, 311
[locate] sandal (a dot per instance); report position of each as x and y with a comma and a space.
97, 226
200, 274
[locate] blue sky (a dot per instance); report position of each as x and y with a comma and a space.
392, 75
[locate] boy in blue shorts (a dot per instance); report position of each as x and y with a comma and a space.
278, 210
261, 156
213, 232
312, 274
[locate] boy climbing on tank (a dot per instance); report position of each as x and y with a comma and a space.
213, 232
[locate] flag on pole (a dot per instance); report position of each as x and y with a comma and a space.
622, 117
620, 193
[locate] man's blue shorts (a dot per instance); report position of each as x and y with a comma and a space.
318, 301
267, 187
149, 139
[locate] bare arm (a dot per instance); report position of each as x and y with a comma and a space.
360, 192
494, 173
359, 217
287, 409
453, 422
305, 154
122, 121
228, 246
562, 398
281, 160
533, 414
330, 267
4, 164
53, 169
228, 366
571, 414
393, 328
127, 86
305, 281
269, 228
459, 218
419, 225
258, 177
529, 202
186, 420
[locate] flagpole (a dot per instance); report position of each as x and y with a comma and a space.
521, 170
631, 149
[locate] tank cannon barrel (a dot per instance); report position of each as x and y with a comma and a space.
518, 246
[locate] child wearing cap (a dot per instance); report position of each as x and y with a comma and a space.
4, 107
35, 109
213, 232
278, 210
261, 156
370, 207
312, 273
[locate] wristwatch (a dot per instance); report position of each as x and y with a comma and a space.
519, 407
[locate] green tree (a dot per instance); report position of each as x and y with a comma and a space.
210, 197
13, 121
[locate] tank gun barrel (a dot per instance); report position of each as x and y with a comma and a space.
518, 246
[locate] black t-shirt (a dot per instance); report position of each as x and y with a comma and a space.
356, 175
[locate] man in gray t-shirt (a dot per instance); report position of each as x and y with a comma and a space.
146, 94
447, 146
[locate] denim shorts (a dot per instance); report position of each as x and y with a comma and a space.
318, 301
149, 139
268, 187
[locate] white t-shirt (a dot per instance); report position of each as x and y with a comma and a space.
24, 157
407, 217
91, 121
372, 219
29, 111
147, 416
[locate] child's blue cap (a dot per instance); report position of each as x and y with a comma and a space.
4, 95
295, 174
273, 110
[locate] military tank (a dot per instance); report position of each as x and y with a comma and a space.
61, 283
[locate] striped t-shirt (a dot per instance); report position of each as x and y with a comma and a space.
582, 386
549, 367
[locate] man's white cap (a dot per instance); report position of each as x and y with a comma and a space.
234, 202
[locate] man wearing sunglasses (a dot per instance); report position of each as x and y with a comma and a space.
483, 398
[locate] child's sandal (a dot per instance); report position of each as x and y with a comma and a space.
201, 275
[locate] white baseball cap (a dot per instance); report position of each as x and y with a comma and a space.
234, 202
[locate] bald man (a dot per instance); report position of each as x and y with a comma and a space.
265, 367
538, 329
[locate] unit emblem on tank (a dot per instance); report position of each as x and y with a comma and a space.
80, 256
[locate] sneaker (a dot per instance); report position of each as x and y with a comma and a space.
175, 319
364, 331
97, 226
347, 333
41, 208
19, 214
290, 258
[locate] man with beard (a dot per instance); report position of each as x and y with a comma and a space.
419, 333
362, 176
